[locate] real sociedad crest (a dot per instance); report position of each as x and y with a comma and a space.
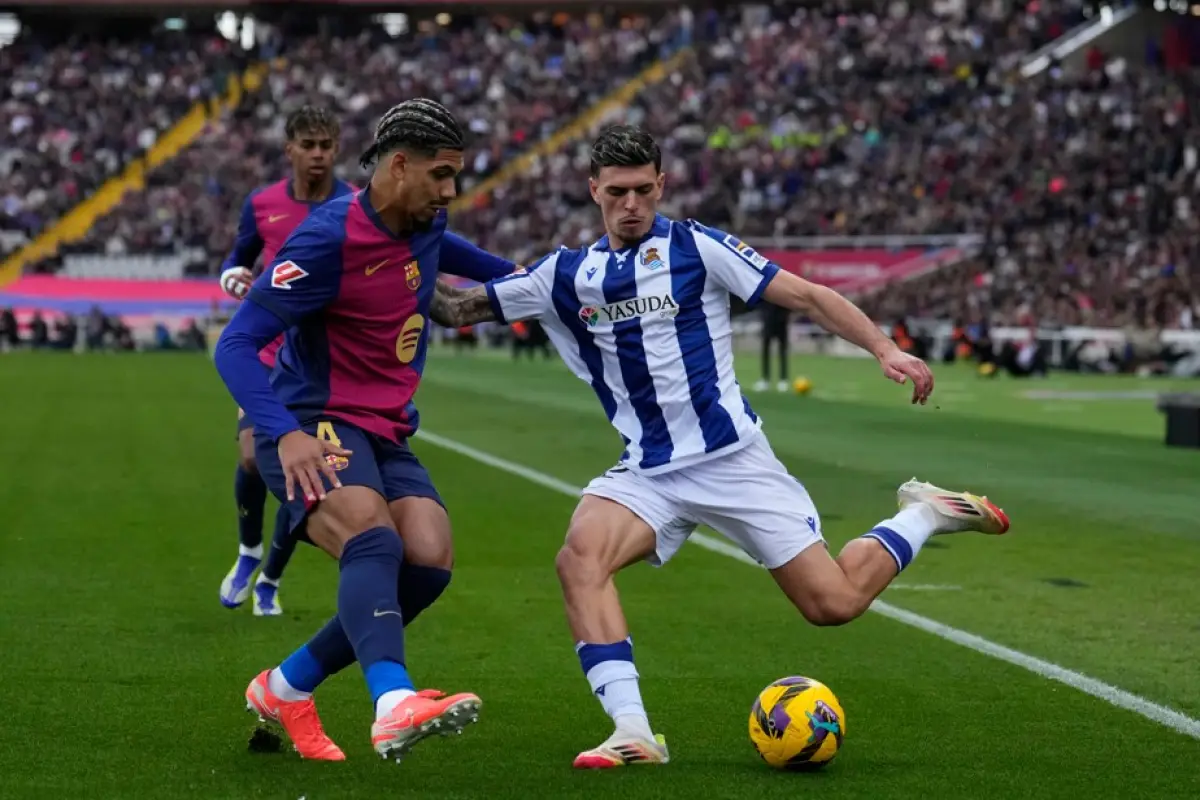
650, 259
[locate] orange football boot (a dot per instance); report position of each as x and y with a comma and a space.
297, 719
421, 715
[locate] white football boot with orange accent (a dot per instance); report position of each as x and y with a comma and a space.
624, 749
297, 719
422, 715
957, 511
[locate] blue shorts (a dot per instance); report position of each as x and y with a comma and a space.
389, 468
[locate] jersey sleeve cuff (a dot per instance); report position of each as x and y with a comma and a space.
279, 433
494, 301
271, 304
768, 273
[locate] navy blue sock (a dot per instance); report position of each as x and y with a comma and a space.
283, 544
419, 588
330, 652
251, 495
369, 610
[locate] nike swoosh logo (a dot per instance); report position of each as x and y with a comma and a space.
379, 613
277, 217
591, 272
373, 269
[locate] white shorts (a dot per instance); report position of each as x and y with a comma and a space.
747, 496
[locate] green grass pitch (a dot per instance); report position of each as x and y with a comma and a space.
122, 674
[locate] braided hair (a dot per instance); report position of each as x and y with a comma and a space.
420, 125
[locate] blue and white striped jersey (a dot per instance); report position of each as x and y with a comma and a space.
648, 328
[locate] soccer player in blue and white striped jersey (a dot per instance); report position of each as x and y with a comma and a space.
642, 315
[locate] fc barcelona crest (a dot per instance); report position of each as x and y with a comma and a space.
412, 275
650, 259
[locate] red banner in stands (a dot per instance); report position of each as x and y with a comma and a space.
861, 270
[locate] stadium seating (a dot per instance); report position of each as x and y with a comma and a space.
830, 125
780, 123
511, 84
75, 113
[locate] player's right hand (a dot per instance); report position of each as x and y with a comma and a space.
900, 367
304, 462
236, 281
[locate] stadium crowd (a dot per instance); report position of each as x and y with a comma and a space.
1080, 184
511, 83
77, 112
782, 122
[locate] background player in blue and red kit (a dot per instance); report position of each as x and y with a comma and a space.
269, 215
353, 287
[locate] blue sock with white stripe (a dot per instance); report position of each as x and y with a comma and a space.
614, 680
903, 534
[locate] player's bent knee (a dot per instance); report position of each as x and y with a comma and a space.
344, 514
579, 564
424, 526
830, 609
246, 458
819, 589
591, 555
604, 537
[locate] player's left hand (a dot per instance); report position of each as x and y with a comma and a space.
236, 281
900, 366
303, 458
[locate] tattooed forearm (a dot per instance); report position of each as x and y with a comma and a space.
440, 310
455, 307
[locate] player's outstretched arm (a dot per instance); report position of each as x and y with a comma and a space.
456, 308
839, 316
522, 293
752, 277
460, 257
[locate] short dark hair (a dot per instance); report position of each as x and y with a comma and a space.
311, 119
422, 126
625, 146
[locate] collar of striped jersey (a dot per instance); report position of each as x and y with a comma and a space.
661, 227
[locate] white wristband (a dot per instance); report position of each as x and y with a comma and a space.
236, 281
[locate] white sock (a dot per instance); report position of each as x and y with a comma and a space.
253, 552
914, 525
615, 683
389, 700
264, 579
284, 690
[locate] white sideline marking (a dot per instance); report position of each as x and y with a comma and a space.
924, 587
1110, 694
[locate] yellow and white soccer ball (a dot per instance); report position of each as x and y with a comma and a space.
802, 385
797, 724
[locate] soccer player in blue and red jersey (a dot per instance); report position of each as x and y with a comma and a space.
269, 216
352, 287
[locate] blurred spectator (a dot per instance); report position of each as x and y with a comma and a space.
74, 114
906, 119
511, 84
